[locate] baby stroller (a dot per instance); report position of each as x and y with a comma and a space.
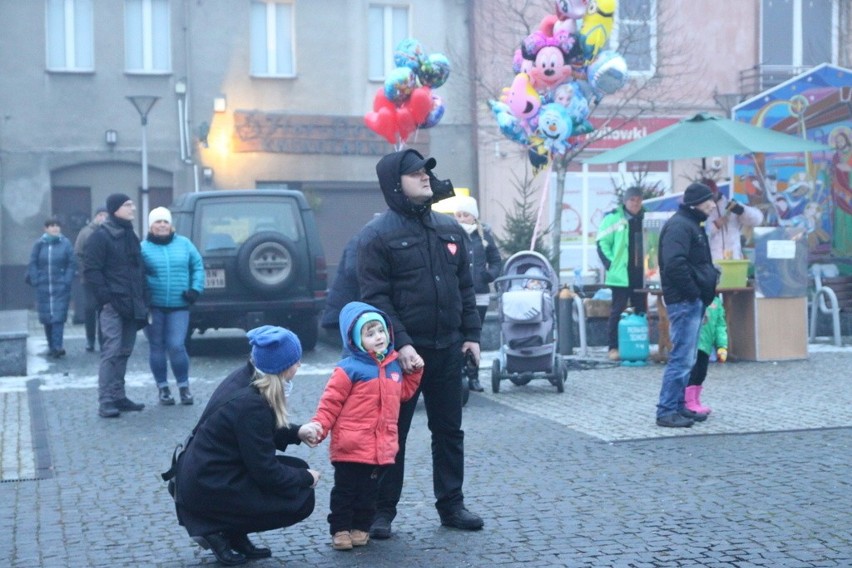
527, 314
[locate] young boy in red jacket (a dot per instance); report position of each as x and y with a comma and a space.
360, 408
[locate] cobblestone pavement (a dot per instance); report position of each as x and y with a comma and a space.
582, 478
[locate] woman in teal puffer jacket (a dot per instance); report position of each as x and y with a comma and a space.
174, 272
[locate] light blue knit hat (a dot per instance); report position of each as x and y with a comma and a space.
362, 320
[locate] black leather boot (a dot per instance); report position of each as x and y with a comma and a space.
475, 386
243, 545
220, 546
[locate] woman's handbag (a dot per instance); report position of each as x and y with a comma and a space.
172, 472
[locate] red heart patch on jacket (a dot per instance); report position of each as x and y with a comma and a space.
453, 248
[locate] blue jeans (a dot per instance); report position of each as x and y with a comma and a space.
166, 337
684, 326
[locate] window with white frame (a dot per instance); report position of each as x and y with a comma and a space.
797, 33
387, 25
272, 39
70, 37
147, 36
634, 35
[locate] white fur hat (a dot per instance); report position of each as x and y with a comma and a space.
467, 204
159, 214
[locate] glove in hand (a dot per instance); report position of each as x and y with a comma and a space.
190, 296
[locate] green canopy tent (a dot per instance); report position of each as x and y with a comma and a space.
706, 135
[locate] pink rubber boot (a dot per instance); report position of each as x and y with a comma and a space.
691, 399
701, 409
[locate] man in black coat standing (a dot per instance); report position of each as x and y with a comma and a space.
688, 278
115, 274
413, 264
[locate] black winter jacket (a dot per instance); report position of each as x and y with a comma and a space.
230, 464
413, 264
686, 266
485, 260
114, 270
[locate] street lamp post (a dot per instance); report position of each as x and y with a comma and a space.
143, 105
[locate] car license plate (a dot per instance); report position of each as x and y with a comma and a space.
214, 278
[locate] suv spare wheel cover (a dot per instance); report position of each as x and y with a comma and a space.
266, 262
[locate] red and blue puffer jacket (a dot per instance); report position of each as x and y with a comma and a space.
360, 404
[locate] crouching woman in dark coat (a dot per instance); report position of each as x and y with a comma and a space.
230, 482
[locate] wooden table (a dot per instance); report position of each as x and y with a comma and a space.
747, 319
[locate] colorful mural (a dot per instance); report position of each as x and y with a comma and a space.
808, 190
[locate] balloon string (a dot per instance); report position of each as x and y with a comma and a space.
544, 192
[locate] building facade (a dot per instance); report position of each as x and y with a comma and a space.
683, 58
249, 94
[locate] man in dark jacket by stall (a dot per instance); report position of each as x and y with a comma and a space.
688, 278
413, 265
115, 273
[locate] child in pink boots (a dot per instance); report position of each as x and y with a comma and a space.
714, 334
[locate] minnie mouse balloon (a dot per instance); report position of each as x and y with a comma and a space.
409, 53
399, 84
434, 71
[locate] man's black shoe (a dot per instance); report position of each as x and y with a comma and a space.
695, 416
108, 410
244, 546
475, 386
219, 544
462, 519
90, 347
674, 420
127, 405
381, 528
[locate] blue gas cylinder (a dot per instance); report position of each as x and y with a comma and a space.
633, 344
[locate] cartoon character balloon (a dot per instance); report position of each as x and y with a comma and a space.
561, 74
554, 127
597, 26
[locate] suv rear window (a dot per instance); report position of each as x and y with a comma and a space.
225, 226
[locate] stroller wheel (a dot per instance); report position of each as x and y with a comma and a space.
520, 381
560, 371
495, 376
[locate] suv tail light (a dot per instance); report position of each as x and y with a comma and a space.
321, 276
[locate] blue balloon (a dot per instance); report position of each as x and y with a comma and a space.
399, 84
436, 114
409, 53
434, 71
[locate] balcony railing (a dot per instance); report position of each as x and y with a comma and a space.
762, 77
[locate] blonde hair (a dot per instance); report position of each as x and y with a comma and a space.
481, 230
271, 387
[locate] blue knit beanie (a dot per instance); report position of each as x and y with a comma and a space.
362, 320
274, 349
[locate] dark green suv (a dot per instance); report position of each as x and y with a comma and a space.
263, 260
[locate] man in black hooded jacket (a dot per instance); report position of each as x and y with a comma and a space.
413, 265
